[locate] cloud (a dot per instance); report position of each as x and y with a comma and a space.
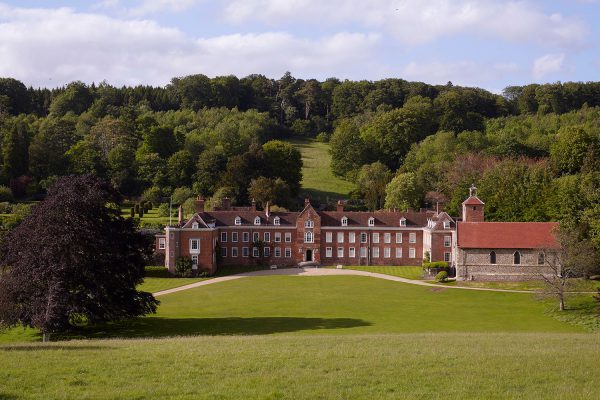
548, 64
416, 22
146, 7
50, 47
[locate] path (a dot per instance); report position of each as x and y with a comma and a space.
326, 272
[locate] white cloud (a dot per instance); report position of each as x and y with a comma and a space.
44, 47
548, 64
417, 22
146, 7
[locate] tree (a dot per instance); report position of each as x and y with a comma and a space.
403, 192
75, 98
372, 182
15, 150
282, 160
573, 257
73, 258
274, 191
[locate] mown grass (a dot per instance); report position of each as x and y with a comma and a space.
419, 366
318, 181
579, 285
414, 273
150, 218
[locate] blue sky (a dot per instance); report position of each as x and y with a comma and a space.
485, 43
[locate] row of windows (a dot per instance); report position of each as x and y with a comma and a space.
256, 237
517, 258
257, 221
375, 237
387, 252
256, 252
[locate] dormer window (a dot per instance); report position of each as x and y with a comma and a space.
309, 224
277, 221
257, 221
195, 225
344, 221
402, 221
446, 224
371, 221
238, 221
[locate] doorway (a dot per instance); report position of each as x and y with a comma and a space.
309, 255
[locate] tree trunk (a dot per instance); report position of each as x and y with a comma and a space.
45, 337
561, 303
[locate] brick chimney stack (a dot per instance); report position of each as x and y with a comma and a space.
340, 206
226, 203
180, 215
199, 204
253, 208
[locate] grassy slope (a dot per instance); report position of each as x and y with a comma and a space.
317, 179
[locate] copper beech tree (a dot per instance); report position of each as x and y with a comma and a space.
73, 259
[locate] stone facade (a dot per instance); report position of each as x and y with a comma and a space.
475, 265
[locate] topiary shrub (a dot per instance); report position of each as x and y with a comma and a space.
442, 276
436, 264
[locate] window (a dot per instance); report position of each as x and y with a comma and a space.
375, 252
238, 221
340, 252
328, 237
255, 252
223, 251
340, 237
267, 236
288, 237
276, 221
255, 236
257, 221
412, 237
399, 237
245, 237
398, 252
387, 237
308, 224
363, 237
375, 237
447, 241
363, 252
245, 252
234, 236
288, 252
277, 251
402, 221
328, 252
447, 256
277, 237
223, 236
446, 224
234, 252
541, 259
493, 257
172, 236
344, 221
387, 252
351, 237
371, 221
412, 253
195, 245
194, 260
267, 251
162, 243
517, 258
308, 237
195, 225
351, 252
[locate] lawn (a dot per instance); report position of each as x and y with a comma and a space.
415, 273
151, 218
318, 181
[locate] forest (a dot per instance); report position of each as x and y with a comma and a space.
533, 151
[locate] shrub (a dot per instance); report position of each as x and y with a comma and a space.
442, 276
132, 212
156, 272
5, 208
437, 264
6, 194
323, 137
183, 266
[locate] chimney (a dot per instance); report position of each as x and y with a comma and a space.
340, 206
199, 204
226, 203
180, 215
268, 210
253, 208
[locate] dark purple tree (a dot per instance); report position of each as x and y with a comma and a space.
73, 259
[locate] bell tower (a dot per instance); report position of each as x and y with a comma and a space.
473, 207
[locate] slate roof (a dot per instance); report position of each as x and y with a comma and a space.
506, 235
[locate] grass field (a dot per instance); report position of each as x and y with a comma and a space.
294, 337
318, 181
151, 218
415, 273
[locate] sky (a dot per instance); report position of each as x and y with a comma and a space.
485, 43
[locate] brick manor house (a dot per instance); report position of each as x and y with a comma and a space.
244, 236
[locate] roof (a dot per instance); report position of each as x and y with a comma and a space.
473, 201
382, 219
227, 218
506, 235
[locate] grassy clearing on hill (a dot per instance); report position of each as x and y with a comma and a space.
317, 179
421, 365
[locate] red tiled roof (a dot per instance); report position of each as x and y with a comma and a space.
227, 218
473, 201
382, 219
506, 235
